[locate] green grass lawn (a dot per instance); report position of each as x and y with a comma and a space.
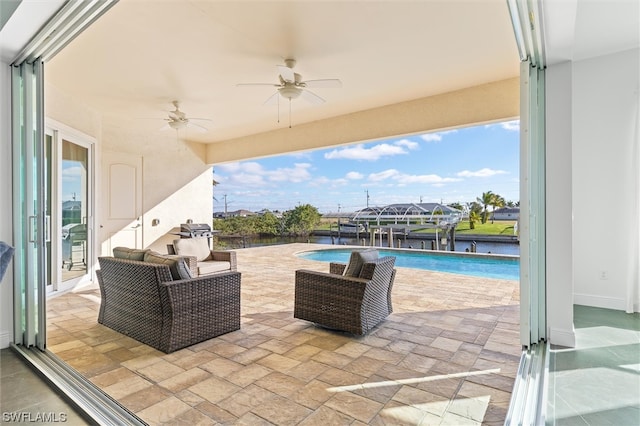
499, 227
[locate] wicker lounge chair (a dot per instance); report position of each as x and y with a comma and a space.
354, 304
143, 301
201, 260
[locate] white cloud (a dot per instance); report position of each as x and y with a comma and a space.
298, 173
511, 125
359, 152
384, 175
485, 172
405, 179
424, 179
431, 137
407, 143
436, 137
354, 175
228, 167
246, 179
326, 183
254, 174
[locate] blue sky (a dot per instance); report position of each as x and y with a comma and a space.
451, 166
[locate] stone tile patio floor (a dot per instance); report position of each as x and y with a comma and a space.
447, 355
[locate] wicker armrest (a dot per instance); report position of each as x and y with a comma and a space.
226, 256
192, 264
202, 308
337, 268
311, 278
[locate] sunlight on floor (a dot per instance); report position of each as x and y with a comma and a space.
411, 381
598, 381
466, 411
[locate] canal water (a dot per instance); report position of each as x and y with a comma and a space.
510, 248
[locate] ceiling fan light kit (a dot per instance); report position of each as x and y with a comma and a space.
178, 120
291, 86
290, 91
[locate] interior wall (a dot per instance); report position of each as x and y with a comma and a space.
6, 206
605, 102
559, 214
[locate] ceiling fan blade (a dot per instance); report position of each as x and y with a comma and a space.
324, 83
257, 84
197, 126
286, 73
271, 100
201, 119
312, 97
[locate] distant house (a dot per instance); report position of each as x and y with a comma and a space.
237, 213
507, 213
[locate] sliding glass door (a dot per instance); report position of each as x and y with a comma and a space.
70, 201
31, 221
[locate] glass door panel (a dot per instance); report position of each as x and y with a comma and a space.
74, 199
29, 182
50, 274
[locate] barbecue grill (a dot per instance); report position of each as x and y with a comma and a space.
74, 237
195, 230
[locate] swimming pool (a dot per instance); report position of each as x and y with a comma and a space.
501, 267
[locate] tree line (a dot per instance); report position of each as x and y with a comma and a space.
302, 220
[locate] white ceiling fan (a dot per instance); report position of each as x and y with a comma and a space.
291, 86
178, 120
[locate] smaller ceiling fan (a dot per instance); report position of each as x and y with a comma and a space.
291, 86
178, 120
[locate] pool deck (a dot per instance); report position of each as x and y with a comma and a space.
447, 355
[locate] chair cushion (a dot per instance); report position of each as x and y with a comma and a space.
129, 253
177, 265
206, 268
198, 247
357, 259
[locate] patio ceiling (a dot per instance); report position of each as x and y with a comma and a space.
140, 56
131, 63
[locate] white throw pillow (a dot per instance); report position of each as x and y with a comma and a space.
357, 261
198, 247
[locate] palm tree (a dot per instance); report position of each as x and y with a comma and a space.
496, 203
485, 200
473, 218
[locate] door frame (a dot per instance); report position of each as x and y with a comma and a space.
60, 132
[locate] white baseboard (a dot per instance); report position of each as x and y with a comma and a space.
6, 337
599, 301
562, 337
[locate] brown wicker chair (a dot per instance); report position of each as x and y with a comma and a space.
351, 304
141, 300
210, 262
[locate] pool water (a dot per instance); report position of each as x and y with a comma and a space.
507, 268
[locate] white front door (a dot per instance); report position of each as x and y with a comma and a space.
121, 221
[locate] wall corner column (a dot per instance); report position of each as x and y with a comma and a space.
559, 205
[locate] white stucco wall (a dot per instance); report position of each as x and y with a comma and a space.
6, 232
177, 184
605, 102
559, 217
